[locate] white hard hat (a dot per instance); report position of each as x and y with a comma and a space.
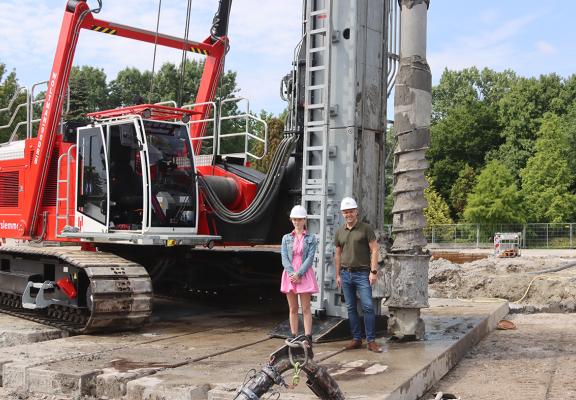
348, 203
298, 212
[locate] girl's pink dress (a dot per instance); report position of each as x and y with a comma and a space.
307, 282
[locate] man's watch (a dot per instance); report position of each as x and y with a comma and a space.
374, 271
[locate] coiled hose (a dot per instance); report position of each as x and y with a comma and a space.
265, 195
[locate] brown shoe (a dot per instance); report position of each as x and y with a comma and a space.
375, 347
353, 345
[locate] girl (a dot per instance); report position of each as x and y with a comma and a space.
298, 250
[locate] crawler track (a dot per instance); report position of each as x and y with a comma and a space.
119, 291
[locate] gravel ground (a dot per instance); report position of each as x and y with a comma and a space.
536, 361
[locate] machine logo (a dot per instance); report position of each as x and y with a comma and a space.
44, 119
9, 226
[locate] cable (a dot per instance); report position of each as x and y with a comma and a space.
184, 51
154, 58
265, 195
556, 269
543, 276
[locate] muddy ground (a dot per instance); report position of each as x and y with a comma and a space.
534, 361
533, 283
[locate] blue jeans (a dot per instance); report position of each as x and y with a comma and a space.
353, 282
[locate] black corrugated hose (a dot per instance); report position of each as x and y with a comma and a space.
265, 195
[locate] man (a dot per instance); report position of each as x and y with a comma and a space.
356, 262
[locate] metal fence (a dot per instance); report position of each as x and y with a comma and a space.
534, 236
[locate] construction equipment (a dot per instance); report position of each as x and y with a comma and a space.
507, 244
143, 184
132, 183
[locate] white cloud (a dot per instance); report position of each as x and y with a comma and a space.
495, 49
545, 47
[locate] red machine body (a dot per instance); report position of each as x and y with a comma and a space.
29, 184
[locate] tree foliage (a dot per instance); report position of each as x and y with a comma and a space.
88, 91
464, 125
483, 116
495, 198
437, 212
520, 114
460, 190
547, 178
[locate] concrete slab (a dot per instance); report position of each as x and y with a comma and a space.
15, 331
102, 365
207, 357
402, 371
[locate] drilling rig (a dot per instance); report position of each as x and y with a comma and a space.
102, 208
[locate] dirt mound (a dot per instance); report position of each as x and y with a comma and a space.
535, 283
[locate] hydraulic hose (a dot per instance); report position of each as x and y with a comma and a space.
265, 195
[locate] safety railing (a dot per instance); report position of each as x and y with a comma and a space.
207, 140
20, 91
249, 121
221, 126
30, 107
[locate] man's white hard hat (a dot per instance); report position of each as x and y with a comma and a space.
348, 203
298, 212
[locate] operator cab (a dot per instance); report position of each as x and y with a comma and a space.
136, 175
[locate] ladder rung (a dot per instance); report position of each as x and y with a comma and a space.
318, 12
315, 106
314, 129
317, 31
315, 123
317, 68
313, 167
316, 49
314, 198
315, 87
314, 148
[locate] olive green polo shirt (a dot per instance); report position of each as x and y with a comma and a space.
355, 245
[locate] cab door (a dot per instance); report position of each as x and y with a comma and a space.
92, 197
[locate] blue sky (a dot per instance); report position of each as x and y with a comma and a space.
530, 37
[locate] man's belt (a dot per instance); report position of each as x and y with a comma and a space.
355, 269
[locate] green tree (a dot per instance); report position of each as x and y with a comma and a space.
437, 212
275, 135
495, 198
131, 86
465, 126
463, 136
568, 127
467, 87
547, 178
460, 190
88, 91
520, 114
